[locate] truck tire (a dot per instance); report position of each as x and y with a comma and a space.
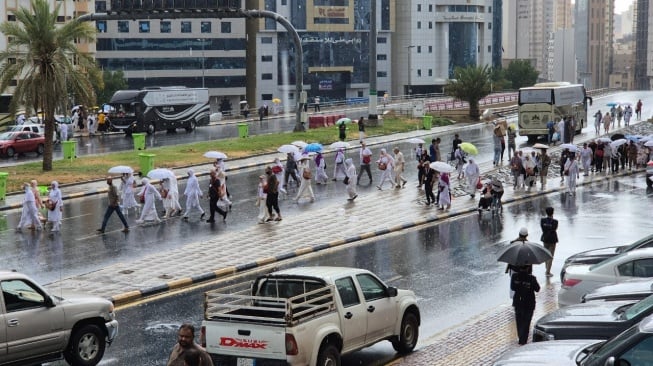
408, 334
86, 346
11, 152
40, 149
151, 129
191, 126
328, 356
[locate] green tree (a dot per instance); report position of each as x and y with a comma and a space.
45, 56
471, 84
521, 74
113, 81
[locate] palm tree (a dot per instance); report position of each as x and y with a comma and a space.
44, 58
472, 84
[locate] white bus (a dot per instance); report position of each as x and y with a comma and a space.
551, 101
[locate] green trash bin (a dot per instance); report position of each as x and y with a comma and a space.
243, 130
139, 141
69, 149
146, 163
3, 185
427, 122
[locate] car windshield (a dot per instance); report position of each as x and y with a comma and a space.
607, 261
6, 136
641, 307
641, 243
610, 347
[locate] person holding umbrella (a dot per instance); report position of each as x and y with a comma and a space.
127, 185
525, 285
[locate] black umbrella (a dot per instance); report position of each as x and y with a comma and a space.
617, 136
522, 253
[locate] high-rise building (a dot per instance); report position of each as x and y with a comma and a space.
594, 35
433, 37
643, 45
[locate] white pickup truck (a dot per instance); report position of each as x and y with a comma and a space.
307, 316
36, 326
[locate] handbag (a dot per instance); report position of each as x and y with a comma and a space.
367, 159
479, 185
307, 174
382, 166
164, 193
276, 169
346, 180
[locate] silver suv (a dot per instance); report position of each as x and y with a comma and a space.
36, 326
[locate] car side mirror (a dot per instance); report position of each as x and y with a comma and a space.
48, 302
391, 291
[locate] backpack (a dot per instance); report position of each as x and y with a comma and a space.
599, 153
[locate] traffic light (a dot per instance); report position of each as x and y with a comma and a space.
130, 6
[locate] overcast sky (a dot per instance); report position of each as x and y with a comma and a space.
622, 5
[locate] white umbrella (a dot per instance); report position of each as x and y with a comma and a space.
121, 169
442, 167
540, 146
215, 155
617, 143
301, 144
160, 173
649, 143
416, 140
288, 149
603, 139
570, 147
340, 145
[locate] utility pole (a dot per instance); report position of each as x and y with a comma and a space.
372, 70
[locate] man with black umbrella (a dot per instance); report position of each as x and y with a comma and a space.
525, 286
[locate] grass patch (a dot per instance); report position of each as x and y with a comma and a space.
87, 168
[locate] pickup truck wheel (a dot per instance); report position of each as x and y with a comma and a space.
191, 126
328, 356
86, 346
408, 335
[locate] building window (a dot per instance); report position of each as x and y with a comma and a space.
489, 49
267, 76
489, 9
123, 26
489, 25
12, 18
430, 72
166, 27
225, 27
430, 25
205, 27
382, 57
381, 74
419, 49
381, 40
186, 27
266, 40
419, 72
266, 58
430, 49
419, 25
284, 2
144, 26
13, 82
61, 19
100, 6
430, 8
11, 61
101, 26
419, 7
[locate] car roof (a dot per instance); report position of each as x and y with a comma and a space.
627, 256
646, 325
324, 272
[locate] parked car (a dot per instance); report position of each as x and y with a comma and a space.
649, 173
38, 327
29, 127
12, 143
629, 290
593, 320
597, 255
582, 279
632, 347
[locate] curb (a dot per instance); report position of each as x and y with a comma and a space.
131, 296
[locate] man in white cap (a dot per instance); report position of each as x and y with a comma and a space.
193, 194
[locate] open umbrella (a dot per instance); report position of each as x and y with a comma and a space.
649, 143
160, 173
343, 121
301, 144
612, 104
288, 149
416, 140
617, 143
540, 146
522, 253
276, 100
215, 155
603, 139
617, 136
340, 145
442, 167
313, 147
468, 148
634, 138
121, 169
570, 147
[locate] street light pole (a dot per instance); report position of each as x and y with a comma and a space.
409, 87
202, 63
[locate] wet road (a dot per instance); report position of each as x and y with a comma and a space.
451, 266
102, 144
